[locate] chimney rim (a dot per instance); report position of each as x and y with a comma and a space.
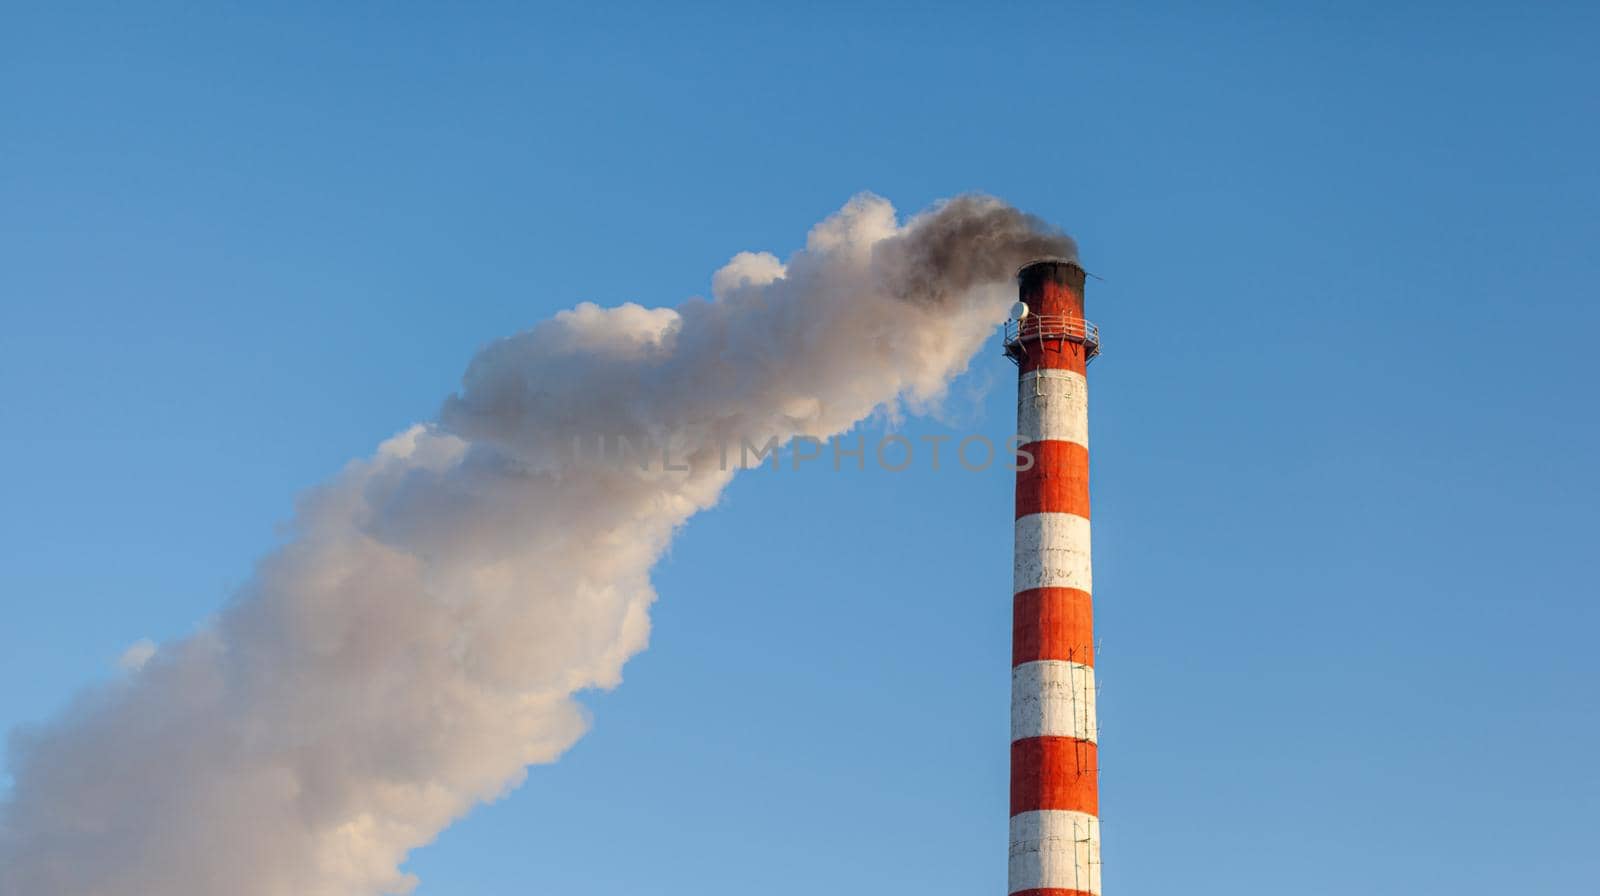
1050, 259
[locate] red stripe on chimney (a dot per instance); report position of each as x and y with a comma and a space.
1052, 624
1058, 481
1054, 773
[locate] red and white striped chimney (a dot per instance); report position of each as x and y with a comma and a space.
1055, 800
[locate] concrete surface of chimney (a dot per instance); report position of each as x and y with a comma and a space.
1055, 805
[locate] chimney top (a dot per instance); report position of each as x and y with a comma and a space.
1050, 259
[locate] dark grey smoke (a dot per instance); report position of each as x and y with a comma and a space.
962, 242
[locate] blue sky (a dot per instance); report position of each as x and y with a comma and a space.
1344, 428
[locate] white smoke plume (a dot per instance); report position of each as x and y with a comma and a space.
419, 640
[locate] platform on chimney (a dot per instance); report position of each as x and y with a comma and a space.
1037, 332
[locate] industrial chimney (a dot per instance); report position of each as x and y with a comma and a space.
1055, 804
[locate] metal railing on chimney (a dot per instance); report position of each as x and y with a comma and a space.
1037, 332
